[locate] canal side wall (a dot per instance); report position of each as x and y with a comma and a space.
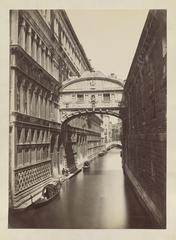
144, 198
144, 122
83, 136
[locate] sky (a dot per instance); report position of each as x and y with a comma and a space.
109, 37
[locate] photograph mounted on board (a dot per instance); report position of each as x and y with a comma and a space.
87, 119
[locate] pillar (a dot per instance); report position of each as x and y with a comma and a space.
29, 40
44, 56
14, 22
44, 106
22, 37
22, 97
29, 97
39, 104
33, 102
48, 62
13, 81
47, 109
51, 66
35, 46
39, 52
12, 162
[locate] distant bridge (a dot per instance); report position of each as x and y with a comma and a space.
114, 144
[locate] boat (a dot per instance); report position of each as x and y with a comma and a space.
49, 192
86, 165
102, 153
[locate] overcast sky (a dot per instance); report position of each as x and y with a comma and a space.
109, 37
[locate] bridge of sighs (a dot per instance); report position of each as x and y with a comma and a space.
92, 93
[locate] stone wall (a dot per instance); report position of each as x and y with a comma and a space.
82, 141
144, 123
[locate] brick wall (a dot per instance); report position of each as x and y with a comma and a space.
144, 125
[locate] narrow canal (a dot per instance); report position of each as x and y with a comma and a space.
98, 198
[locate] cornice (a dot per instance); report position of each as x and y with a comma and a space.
91, 78
91, 91
29, 120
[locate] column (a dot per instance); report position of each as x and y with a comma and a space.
39, 52
22, 97
51, 65
33, 102
35, 46
56, 111
25, 99
29, 96
54, 68
56, 72
14, 22
58, 114
39, 104
46, 59
22, 34
36, 102
48, 62
22, 136
42, 110
12, 161
29, 41
44, 56
50, 108
44, 107
13, 79
47, 109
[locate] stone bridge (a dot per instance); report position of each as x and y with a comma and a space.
92, 93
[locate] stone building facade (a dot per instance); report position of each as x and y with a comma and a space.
44, 52
144, 122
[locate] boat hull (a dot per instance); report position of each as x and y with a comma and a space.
42, 201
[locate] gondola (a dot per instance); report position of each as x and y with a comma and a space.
86, 165
49, 192
102, 153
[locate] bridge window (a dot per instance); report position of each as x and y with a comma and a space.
80, 97
106, 97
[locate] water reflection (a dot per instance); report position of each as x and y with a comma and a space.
98, 198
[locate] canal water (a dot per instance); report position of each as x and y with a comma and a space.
97, 198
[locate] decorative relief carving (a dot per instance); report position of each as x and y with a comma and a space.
25, 178
31, 69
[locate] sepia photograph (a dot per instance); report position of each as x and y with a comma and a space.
87, 119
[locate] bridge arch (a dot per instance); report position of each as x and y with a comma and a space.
65, 120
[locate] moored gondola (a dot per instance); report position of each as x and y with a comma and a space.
49, 192
86, 165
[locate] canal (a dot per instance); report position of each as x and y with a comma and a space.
98, 198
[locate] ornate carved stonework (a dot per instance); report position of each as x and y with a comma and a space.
30, 68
